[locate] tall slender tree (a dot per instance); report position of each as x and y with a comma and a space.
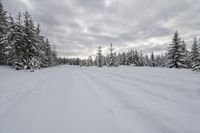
152, 60
194, 50
195, 56
10, 50
111, 56
185, 61
30, 43
3, 33
99, 58
89, 61
123, 59
18, 62
175, 55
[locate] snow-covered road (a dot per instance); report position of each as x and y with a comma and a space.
70, 99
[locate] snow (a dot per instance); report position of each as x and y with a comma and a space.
72, 99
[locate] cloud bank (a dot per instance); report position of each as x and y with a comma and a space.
78, 27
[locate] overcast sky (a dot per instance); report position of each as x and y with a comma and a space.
78, 27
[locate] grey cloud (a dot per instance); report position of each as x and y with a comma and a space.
77, 27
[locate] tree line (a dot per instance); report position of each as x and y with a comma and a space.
21, 44
177, 56
132, 57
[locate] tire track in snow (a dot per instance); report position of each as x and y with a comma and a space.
124, 110
97, 99
118, 94
82, 100
64, 105
172, 97
154, 73
137, 83
156, 89
21, 94
30, 98
152, 78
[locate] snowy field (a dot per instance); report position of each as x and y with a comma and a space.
69, 99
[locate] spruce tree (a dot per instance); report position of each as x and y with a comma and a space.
116, 60
104, 60
112, 61
11, 53
194, 51
54, 55
31, 46
123, 58
141, 59
18, 61
136, 58
42, 48
163, 59
196, 64
185, 61
99, 59
49, 54
3, 34
146, 60
89, 61
175, 53
152, 60
195, 56
130, 58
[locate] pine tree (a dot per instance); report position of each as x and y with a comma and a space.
31, 46
77, 61
49, 54
194, 52
160, 60
44, 52
116, 60
130, 58
123, 58
152, 60
99, 59
195, 56
163, 59
119, 58
175, 55
3, 34
196, 64
104, 60
10, 50
54, 55
18, 61
136, 58
112, 59
40, 47
141, 59
146, 60
89, 61
185, 61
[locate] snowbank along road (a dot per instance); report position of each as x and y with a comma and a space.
69, 99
